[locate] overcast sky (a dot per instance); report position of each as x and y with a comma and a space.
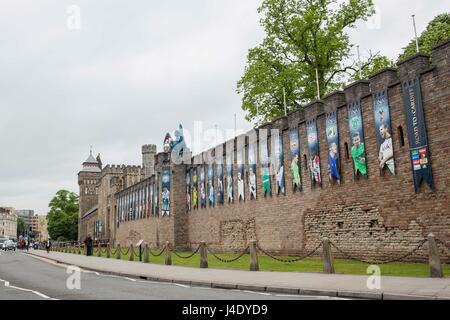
131, 73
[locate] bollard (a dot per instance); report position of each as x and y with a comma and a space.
108, 250
131, 252
99, 250
146, 257
203, 255
434, 259
168, 257
328, 266
254, 265
118, 251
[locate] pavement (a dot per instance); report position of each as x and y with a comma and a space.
26, 277
292, 283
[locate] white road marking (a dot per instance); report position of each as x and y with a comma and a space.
7, 284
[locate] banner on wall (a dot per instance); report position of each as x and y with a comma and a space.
252, 170
417, 134
194, 189
188, 190
265, 164
357, 139
278, 161
294, 143
202, 187
165, 195
229, 164
313, 149
211, 185
240, 182
333, 150
220, 181
383, 131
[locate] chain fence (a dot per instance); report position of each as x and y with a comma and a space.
188, 256
398, 259
157, 254
298, 258
126, 252
228, 260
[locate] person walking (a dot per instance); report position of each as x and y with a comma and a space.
88, 243
48, 245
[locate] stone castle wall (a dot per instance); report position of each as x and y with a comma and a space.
380, 217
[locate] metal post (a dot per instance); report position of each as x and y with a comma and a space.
434, 259
108, 250
140, 253
254, 265
203, 255
317, 84
328, 266
415, 33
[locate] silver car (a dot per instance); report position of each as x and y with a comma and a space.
9, 245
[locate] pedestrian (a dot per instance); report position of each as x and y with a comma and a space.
88, 243
48, 245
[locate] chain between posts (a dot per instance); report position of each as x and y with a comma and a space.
113, 251
158, 254
228, 260
349, 256
126, 252
189, 256
290, 260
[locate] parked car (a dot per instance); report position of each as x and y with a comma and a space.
9, 245
2, 243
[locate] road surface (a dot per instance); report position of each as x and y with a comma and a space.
27, 278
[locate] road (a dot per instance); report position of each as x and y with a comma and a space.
27, 278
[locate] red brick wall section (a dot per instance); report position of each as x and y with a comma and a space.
378, 218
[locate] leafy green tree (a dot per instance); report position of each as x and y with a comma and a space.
437, 31
20, 226
302, 36
377, 63
63, 216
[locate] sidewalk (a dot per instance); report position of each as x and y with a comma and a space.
350, 286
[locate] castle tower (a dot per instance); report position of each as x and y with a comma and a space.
88, 181
148, 160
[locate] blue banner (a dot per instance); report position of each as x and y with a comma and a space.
417, 134
194, 188
220, 182
229, 163
165, 192
295, 158
334, 172
252, 170
278, 157
313, 148
240, 163
202, 187
265, 163
358, 152
383, 131
211, 185
188, 190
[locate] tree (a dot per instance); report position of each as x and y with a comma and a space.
437, 31
20, 226
63, 216
302, 36
377, 63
